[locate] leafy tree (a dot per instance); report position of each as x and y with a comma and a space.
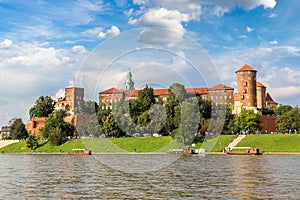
56, 120
44, 105
176, 95
57, 136
247, 120
18, 131
88, 108
145, 99
32, 142
110, 126
189, 121
287, 118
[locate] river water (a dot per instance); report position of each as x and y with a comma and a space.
183, 177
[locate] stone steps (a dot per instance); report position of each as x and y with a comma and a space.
236, 141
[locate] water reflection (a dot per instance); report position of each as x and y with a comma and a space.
189, 177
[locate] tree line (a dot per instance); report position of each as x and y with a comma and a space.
182, 115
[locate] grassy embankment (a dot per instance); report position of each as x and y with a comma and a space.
21, 147
273, 143
151, 144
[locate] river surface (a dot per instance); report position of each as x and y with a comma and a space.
184, 177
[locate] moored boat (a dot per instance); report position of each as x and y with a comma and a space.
242, 151
80, 152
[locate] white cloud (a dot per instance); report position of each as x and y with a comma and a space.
273, 42
113, 31
219, 8
249, 29
58, 94
79, 49
169, 22
5, 44
30, 70
273, 15
242, 36
92, 32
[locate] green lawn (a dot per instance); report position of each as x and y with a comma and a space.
217, 144
101, 145
147, 144
266, 143
272, 142
21, 147
18, 147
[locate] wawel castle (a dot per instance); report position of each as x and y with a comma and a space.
250, 94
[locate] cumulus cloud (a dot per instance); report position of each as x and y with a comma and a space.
5, 44
169, 22
79, 49
113, 31
273, 42
30, 70
249, 29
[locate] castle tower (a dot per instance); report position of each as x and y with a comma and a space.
73, 98
246, 85
129, 84
261, 95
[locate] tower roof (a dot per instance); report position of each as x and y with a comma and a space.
269, 99
259, 84
246, 68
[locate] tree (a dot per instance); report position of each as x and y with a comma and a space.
18, 131
110, 126
287, 118
189, 121
247, 120
145, 99
175, 96
32, 142
56, 120
57, 136
44, 105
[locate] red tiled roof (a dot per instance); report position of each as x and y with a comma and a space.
259, 84
131, 93
221, 87
157, 92
196, 90
110, 91
269, 99
246, 68
160, 92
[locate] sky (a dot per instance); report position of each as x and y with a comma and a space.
46, 46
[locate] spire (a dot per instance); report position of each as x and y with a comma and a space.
129, 84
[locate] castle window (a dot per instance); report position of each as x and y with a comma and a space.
246, 84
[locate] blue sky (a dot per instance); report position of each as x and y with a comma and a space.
46, 46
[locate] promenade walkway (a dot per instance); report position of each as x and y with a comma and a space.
236, 141
4, 143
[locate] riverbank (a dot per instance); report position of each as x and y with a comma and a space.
268, 144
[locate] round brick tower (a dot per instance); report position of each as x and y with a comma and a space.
246, 85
